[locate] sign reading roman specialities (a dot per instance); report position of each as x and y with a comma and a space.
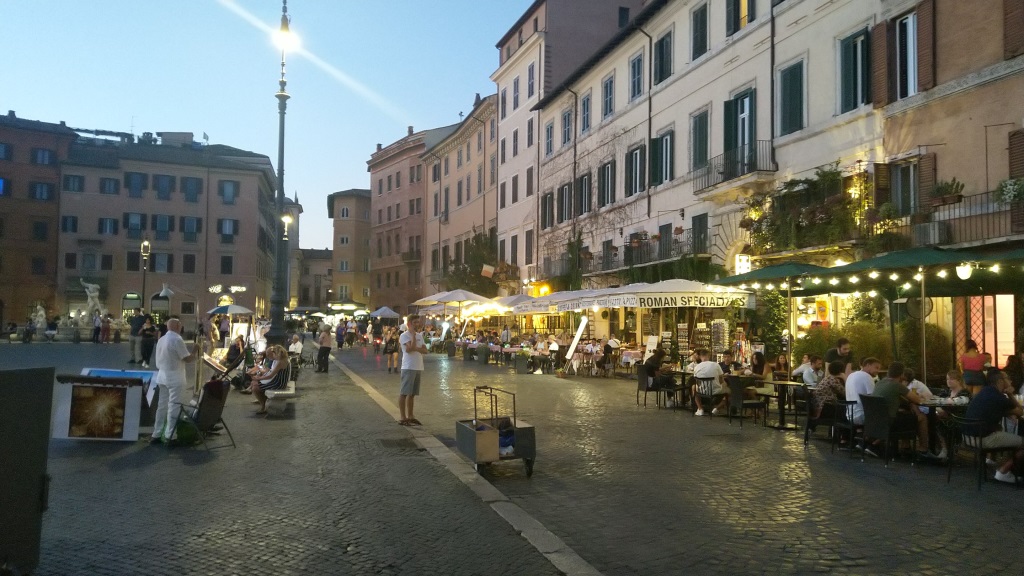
685, 300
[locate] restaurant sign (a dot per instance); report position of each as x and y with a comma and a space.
687, 300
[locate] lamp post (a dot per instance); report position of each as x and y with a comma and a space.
285, 41
144, 250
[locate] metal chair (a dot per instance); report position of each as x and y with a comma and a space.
738, 403
705, 391
973, 443
878, 424
645, 385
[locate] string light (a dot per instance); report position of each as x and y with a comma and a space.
995, 268
743, 286
942, 274
784, 285
756, 285
894, 276
872, 293
854, 279
856, 294
873, 275
964, 271
816, 281
906, 285
918, 276
833, 281
770, 286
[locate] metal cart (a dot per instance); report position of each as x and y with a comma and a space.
479, 439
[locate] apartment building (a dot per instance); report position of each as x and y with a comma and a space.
290, 221
30, 155
205, 214
316, 279
538, 52
398, 195
461, 192
350, 214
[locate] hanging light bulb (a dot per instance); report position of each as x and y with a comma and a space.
856, 294
964, 271
873, 274
854, 279
743, 286
784, 285
918, 276
906, 285
872, 293
894, 276
942, 274
770, 286
995, 268
833, 281
816, 281
756, 285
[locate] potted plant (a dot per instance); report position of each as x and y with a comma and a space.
1011, 191
523, 361
560, 373
655, 237
678, 231
948, 192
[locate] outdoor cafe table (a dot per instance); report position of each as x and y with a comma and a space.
933, 404
782, 387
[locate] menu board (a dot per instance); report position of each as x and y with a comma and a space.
683, 337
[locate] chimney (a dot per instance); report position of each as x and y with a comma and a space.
410, 130
623, 16
379, 147
476, 101
10, 114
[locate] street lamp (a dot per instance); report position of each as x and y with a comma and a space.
285, 41
144, 250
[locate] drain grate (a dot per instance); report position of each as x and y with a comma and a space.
399, 444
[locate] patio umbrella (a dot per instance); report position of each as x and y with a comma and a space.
385, 312
428, 300
773, 273
230, 309
459, 297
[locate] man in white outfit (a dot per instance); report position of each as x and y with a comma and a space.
171, 356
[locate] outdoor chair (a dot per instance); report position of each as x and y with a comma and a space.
957, 439
206, 413
843, 425
878, 424
739, 403
705, 391
643, 384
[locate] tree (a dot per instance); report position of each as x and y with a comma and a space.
479, 250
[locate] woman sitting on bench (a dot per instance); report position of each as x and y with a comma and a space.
273, 378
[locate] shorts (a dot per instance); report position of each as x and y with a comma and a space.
410, 382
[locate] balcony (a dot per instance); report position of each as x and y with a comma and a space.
642, 251
974, 219
735, 165
412, 256
438, 276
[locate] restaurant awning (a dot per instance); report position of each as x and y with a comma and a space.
773, 273
674, 293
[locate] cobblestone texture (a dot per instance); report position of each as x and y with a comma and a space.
333, 486
641, 491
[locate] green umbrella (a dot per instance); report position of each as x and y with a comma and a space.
774, 272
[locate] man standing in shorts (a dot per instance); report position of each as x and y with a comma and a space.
413, 349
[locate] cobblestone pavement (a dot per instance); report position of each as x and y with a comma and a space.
640, 491
333, 486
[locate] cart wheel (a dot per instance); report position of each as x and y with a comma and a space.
529, 466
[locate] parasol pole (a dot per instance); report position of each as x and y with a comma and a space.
924, 323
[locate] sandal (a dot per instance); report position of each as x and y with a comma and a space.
261, 412
414, 422
404, 423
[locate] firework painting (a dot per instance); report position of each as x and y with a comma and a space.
97, 412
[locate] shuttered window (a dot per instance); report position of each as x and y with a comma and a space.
855, 72
699, 140
662, 165
791, 102
663, 58
699, 32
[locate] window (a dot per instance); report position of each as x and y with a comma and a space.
41, 191
855, 71
412, 174
133, 262
412, 207
529, 181
699, 140
43, 156
528, 248
5, 149
906, 56
343, 266
389, 182
494, 168
380, 186
501, 150
583, 194
608, 97
635, 171
227, 265
5, 187
228, 229
547, 211
445, 165
479, 181
188, 263
740, 134
501, 195
88, 261
699, 234
585, 114
435, 204
398, 179
514, 250
494, 129
662, 154
162, 262
699, 32
40, 231
515, 188
107, 227
106, 262
70, 261
344, 212
163, 225
549, 138
110, 186
515, 143
606, 184
738, 13
69, 224
164, 186
502, 103
133, 224
192, 188
468, 155
228, 190
435, 172
530, 73
38, 266
663, 58
135, 183
469, 186
529, 132
791, 98
74, 183
564, 203
636, 76
191, 227
515, 93
905, 188
458, 194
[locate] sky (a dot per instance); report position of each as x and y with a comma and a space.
365, 72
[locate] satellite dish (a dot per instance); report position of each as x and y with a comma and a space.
917, 309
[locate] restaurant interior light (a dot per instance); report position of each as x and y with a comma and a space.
841, 262
964, 271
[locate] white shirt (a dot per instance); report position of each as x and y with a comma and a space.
922, 391
295, 348
613, 343
857, 383
801, 369
812, 376
505, 336
707, 369
170, 355
411, 360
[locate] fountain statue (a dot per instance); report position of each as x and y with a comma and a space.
92, 292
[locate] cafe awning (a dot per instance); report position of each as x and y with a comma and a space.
773, 273
674, 293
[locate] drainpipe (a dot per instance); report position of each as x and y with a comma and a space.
440, 176
771, 95
650, 107
574, 256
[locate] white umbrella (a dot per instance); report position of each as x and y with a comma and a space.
428, 300
230, 309
459, 297
385, 312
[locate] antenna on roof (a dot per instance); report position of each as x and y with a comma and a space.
460, 116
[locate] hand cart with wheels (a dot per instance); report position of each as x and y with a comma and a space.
486, 440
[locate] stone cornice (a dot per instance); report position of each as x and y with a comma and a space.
964, 83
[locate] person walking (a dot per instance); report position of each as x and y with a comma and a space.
413, 349
134, 325
324, 350
391, 347
148, 335
97, 322
171, 357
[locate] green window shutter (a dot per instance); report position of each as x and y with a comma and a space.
883, 184
611, 185
700, 32
655, 161
751, 4
792, 98
753, 118
700, 140
730, 136
848, 74
865, 54
731, 17
670, 139
643, 168
629, 174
